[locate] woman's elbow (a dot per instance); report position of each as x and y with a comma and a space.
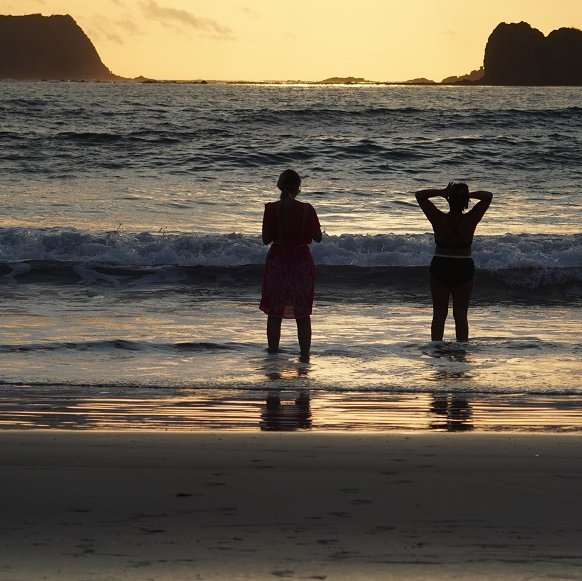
487, 197
318, 236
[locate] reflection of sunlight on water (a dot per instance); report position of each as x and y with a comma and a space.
184, 341
282, 367
285, 410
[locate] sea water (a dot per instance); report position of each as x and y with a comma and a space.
131, 259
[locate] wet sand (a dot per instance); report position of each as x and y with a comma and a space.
113, 505
111, 408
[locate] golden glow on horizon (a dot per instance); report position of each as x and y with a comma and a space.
297, 39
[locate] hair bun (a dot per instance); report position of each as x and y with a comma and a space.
289, 180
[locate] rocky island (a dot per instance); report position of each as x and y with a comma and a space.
517, 54
36, 47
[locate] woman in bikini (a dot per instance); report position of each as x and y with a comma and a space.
452, 270
289, 277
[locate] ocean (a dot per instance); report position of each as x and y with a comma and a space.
131, 259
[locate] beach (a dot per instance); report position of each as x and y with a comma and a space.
146, 432
154, 505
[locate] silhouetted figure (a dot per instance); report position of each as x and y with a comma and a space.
289, 277
452, 270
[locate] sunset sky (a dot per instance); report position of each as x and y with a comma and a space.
381, 40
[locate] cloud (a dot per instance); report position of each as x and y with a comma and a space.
114, 30
454, 34
5, 6
172, 16
249, 11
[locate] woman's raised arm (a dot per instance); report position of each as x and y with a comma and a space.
478, 210
423, 199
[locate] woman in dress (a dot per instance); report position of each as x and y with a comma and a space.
452, 270
289, 277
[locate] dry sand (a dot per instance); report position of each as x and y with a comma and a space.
90, 505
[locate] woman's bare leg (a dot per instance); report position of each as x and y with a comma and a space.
304, 335
273, 333
461, 298
440, 308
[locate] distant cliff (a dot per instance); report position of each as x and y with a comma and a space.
343, 81
48, 47
468, 79
517, 54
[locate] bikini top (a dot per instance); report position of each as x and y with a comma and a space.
454, 241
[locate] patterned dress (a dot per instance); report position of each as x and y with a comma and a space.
289, 276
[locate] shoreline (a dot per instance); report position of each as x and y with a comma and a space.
300, 506
296, 408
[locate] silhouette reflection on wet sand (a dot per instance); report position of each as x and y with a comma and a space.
278, 414
453, 413
453, 409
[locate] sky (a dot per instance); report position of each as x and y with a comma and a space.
310, 40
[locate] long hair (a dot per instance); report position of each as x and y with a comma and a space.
289, 183
459, 198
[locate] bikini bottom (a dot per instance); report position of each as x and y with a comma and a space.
452, 271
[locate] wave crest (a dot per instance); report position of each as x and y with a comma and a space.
528, 260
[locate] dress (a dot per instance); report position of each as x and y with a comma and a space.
289, 276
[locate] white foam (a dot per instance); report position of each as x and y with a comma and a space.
121, 249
